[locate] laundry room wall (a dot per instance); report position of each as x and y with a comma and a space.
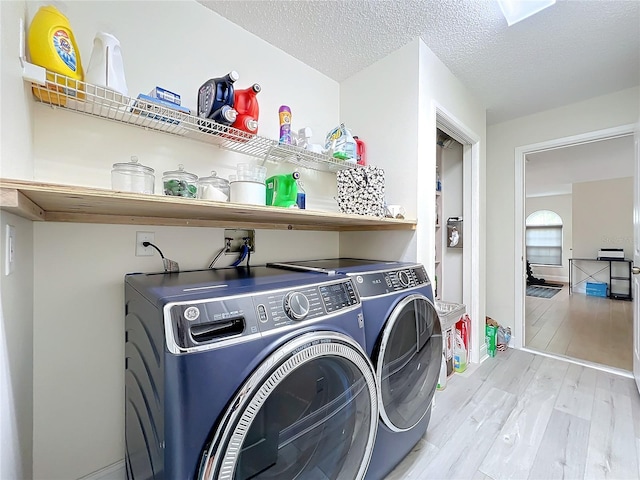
16, 352
16, 289
401, 138
75, 285
452, 206
620, 108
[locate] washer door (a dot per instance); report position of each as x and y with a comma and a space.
407, 362
309, 411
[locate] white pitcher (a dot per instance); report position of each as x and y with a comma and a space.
106, 68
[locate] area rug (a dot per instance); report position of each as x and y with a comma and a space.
541, 292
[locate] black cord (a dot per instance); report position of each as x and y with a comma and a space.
149, 244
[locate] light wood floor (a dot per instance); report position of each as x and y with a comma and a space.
595, 329
525, 416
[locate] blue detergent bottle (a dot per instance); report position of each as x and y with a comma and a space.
216, 99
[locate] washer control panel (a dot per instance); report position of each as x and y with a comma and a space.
379, 283
211, 321
280, 309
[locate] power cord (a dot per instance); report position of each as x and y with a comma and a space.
169, 265
149, 244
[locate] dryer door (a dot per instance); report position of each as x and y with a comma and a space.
309, 411
407, 361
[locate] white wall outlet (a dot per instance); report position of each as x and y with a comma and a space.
10, 249
141, 250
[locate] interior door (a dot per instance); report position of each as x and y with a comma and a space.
636, 261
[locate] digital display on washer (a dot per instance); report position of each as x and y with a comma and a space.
338, 295
421, 275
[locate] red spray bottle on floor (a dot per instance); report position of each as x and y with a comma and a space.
461, 344
246, 104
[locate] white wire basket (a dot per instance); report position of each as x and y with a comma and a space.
87, 99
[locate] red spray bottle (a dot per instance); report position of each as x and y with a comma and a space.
246, 104
361, 152
461, 348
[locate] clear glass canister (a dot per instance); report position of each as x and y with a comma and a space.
132, 177
213, 188
180, 183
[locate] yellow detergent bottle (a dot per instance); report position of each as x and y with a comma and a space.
53, 46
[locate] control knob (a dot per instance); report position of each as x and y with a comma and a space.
296, 305
403, 278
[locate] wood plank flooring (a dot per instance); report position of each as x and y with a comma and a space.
525, 416
594, 329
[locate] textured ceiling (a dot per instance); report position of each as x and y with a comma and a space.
574, 50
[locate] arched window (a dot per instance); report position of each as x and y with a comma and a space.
544, 238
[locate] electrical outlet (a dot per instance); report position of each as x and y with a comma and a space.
234, 239
141, 250
10, 249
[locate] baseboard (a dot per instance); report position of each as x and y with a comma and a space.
483, 353
556, 278
115, 471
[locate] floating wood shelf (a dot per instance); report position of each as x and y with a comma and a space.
64, 203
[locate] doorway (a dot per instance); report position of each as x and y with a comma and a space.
470, 143
577, 178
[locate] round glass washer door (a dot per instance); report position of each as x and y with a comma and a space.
309, 411
407, 359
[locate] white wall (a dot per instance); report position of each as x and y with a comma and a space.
563, 206
603, 216
598, 113
15, 102
75, 350
16, 352
379, 105
452, 206
16, 290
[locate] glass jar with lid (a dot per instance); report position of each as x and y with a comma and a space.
213, 188
180, 183
132, 177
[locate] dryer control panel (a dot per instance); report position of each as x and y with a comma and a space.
380, 283
210, 322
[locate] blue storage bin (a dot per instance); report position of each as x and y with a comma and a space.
597, 289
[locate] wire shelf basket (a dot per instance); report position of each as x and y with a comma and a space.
87, 99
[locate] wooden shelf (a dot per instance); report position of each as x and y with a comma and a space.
64, 203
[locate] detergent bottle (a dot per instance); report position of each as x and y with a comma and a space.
282, 190
246, 104
53, 46
214, 95
106, 68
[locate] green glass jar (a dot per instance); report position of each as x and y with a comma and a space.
180, 183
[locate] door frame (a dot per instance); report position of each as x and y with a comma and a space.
471, 283
519, 279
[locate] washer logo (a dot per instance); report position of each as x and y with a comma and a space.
192, 313
359, 279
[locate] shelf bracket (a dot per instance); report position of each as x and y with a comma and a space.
268, 154
30, 72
